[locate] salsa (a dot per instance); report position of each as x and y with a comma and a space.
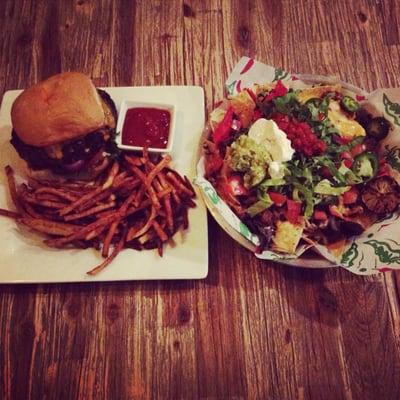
146, 127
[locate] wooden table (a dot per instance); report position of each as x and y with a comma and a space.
252, 329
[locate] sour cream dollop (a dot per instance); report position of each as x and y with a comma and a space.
266, 133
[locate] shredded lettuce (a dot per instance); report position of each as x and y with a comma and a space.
272, 182
284, 104
308, 198
259, 206
325, 187
351, 177
327, 162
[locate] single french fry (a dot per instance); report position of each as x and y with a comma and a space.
105, 194
44, 203
56, 192
108, 238
9, 214
111, 257
190, 203
90, 211
160, 248
120, 178
133, 210
134, 233
168, 211
189, 184
178, 184
30, 210
95, 233
158, 168
111, 175
134, 161
185, 218
49, 227
160, 232
75, 205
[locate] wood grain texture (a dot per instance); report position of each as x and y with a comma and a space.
252, 329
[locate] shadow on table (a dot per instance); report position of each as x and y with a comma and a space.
317, 294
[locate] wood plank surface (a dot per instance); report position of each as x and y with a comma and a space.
251, 329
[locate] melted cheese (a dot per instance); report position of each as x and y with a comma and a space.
287, 236
317, 92
347, 128
109, 118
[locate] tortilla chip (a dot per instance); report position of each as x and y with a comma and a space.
243, 106
287, 236
262, 88
348, 128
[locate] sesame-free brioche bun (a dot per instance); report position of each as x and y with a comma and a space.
61, 108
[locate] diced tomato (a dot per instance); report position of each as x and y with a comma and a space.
325, 172
348, 163
236, 186
346, 156
320, 215
279, 90
213, 163
357, 149
300, 134
341, 140
223, 129
293, 211
350, 196
279, 199
257, 114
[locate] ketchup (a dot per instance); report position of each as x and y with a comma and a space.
146, 127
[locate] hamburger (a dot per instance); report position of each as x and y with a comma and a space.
65, 125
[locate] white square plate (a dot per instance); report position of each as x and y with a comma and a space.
23, 257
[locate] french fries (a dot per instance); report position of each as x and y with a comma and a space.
137, 202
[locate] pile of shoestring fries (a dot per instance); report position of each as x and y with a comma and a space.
138, 202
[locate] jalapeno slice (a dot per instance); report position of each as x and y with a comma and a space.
315, 101
378, 128
365, 166
349, 104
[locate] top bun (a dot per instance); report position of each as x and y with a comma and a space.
60, 108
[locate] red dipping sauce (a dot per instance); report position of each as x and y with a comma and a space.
146, 127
